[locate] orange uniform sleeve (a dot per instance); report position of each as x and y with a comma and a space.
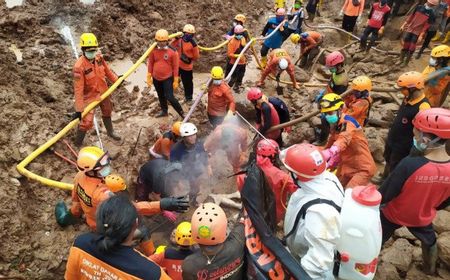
78, 88
166, 144
310, 43
176, 63
291, 71
157, 258
112, 77
344, 138
75, 209
358, 110
148, 207
229, 96
230, 51
147, 248
195, 53
150, 62
72, 266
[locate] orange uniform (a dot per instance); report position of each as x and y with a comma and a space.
358, 108
356, 166
219, 99
272, 64
172, 260
234, 146
235, 47
162, 147
87, 262
89, 192
163, 64
312, 41
188, 50
435, 89
89, 83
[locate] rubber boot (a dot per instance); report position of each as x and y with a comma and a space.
109, 128
436, 37
419, 53
263, 62
162, 114
402, 56
447, 38
429, 256
79, 138
407, 59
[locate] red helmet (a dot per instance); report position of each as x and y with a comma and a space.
254, 94
239, 29
305, 160
334, 58
267, 148
435, 121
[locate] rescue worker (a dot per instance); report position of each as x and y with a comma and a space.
220, 256
400, 136
378, 16
437, 89
357, 105
266, 115
163, 71
444, 20
310, 42
276, 40
279, 61
347, 148
440, 16
415, 28
239, 19
312, 8
188, 52
90, 189
315, 235
161, 148
193, 158
220, 99
90, 75
172, 258
235, 47
231, 139
109, 253
421, 182
351, 12
280, 182
294, 26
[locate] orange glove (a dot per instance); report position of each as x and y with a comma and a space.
149, 80
381, 31
176, 83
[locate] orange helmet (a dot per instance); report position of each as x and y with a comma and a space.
162, 35
362, 83
176, 128
209, 224
115, 183
412, 79
305, 160
92, 158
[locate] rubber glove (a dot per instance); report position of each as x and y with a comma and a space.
333, 161
63, 215
319, 96
76, 115
178, 204
176, 83
381, 31
329, 153
341, 13
149, 80
171, 216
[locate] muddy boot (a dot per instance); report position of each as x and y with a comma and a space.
263, 62
447, 38
407, 59
402, 56
78, 141
436, 37
429, 256
181, 113
109, 128
162, 114
419, 54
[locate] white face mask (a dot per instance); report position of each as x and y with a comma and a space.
105, 171
432, 61
90, 54
217, 82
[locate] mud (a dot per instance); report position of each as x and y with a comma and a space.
36, 96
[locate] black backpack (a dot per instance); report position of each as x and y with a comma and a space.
282, 109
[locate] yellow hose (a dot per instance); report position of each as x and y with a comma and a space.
216, 47
21, 167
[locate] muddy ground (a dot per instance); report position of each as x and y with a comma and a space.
36, 96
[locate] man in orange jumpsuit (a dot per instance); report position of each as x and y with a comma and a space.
220, 98
235, 46
188, 52
230, 138
163, 70
89, 83
436, 89
309, 46
347, 147
358, 104
90, 189
278, 61
161, 149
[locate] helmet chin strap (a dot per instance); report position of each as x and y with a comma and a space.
432, 142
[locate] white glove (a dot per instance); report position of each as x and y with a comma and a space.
341, 13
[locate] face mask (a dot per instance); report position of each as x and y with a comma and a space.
332, 119
90, 54
217, 82
419, 146
234, 23
333, 70
187, 37
239, 37
105, 171
279, 18
432, 62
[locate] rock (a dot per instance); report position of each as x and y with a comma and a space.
386, 271
376, 143
443, 273
399, 254
417, 254
443, 243
155, 16
301, 75
388, 107
403, 232
14, 182
383, 96
442, 221
415, 274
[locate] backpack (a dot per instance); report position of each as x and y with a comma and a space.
281, 107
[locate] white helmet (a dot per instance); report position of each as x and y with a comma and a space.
188, 129
283, 64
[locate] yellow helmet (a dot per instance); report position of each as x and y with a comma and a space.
330, 102
161, 249
183, 234
217, 73
90, 158
176, 128
441, 51
362, 83
162, 35
240, 17
88, 40
115, 183
189, 28
295, 38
